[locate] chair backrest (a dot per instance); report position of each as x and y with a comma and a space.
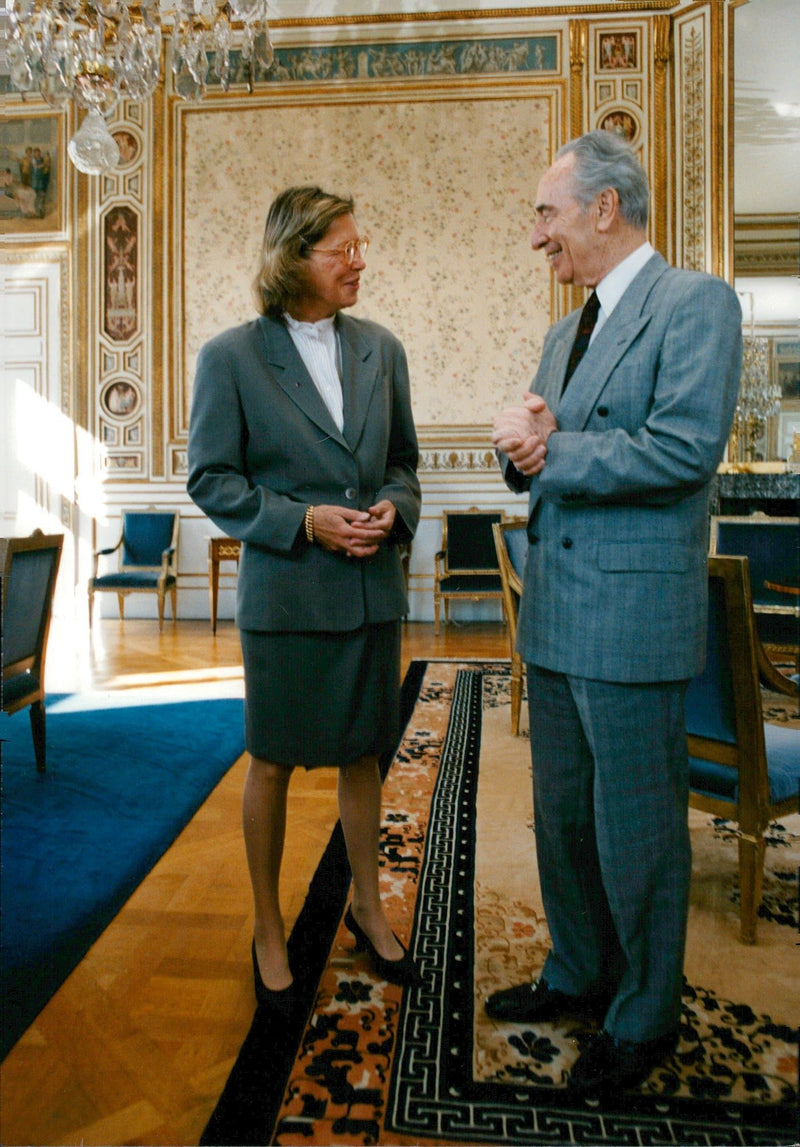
724, 718
772, 547
145, 536
467, 540
511, 547
29, 568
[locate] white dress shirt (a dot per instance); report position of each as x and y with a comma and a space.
611, 289
318, 346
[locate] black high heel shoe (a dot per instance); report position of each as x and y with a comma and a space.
403, 971
282, 1002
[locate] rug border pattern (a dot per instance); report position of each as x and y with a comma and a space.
439, 1021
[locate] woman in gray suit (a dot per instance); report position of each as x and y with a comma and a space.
302, 445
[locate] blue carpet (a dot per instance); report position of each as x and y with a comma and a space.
120, 785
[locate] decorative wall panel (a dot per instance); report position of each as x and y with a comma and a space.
703, 217
445, 190
122, 307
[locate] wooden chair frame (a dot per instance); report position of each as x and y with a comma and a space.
512, 591
462, 575
29, 659
166, 572
753, 810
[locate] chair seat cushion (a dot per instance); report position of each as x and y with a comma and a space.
783, 761
783, 765
19, 686
471, 583
129, 580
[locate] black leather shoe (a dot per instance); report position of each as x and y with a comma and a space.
529, 1003
610, 1064
403, 971
282, 1002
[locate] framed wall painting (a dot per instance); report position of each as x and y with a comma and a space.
32, 176
618, 51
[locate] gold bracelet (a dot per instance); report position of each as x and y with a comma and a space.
309, 523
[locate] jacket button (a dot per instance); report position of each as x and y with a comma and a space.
566, 543
350, 493
602, 411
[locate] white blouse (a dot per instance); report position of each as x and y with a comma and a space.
318, 346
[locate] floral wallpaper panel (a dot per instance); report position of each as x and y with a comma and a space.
445, 190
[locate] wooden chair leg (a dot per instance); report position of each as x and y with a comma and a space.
91, 607
751, 878
38, 731
516, 697
437, 606
121, 600
161, 598
173, 593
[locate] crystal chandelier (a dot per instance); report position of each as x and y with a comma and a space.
759, 394
97, 52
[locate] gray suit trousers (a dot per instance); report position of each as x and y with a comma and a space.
611, 795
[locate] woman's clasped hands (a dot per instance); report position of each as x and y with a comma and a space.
356, 533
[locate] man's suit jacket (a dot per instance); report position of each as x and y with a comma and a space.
616, 581
263, 446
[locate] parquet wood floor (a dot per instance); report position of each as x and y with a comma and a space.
136, 1046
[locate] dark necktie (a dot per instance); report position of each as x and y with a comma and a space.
585, 327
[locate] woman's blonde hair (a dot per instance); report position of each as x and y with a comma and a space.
296, 221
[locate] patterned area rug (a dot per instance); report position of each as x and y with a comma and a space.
371, 1064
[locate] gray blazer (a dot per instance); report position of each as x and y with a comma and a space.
616, 581
263, 447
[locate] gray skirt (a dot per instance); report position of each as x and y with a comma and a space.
321, 699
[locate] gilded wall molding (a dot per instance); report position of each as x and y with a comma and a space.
693, 177
578, 44
560, 12
767, 244
661, 131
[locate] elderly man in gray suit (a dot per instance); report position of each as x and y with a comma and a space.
618, 465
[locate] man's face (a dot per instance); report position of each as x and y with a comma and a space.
564, 230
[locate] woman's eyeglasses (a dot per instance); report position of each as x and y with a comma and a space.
348, 252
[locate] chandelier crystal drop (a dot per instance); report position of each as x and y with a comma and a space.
98, 52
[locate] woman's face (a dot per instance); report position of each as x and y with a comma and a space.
329, 283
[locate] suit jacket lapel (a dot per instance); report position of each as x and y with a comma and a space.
626, 322
289, 371
359, 377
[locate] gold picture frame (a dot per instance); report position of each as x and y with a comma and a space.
32, 176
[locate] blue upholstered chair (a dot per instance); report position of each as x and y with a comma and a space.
772, 546
511, 546
147, 554
29, 567
739, 766
466, 565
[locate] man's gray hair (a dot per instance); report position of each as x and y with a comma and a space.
604, 160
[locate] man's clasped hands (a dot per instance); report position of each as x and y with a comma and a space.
521, 433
